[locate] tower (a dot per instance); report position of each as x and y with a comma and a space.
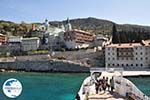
68, 26
63, 27
46, 24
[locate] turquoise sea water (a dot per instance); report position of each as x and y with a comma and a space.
45, 86
143, 83
55, 86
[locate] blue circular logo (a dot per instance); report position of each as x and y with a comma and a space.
12, 88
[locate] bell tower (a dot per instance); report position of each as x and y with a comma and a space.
68, 26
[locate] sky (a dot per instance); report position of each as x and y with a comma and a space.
119, 11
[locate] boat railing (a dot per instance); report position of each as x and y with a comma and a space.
97, 69
126, 88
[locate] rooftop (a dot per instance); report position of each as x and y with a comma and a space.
125, 45
81, 31
32, 38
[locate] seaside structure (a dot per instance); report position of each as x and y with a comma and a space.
14, 39
128, 55
50, 37
3, 39
30, 43
76, 39
14, 44
100, 41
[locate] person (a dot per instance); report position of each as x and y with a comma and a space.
112, 84
104, 84
100, 85
96, 87
108, 86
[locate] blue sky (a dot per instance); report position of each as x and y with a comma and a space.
119, 11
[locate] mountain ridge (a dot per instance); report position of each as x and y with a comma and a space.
131, 32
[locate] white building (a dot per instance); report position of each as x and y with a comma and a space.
128, 55
14, 39
30, 43
53, 36
100, 41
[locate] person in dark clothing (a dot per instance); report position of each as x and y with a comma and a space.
108, 86
96, 87
100, 85
104, 84
112, 84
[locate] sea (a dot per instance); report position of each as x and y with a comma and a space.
55, 86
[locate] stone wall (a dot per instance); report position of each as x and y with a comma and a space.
43, 66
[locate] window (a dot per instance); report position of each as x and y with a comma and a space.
141, 65
126, 64
136, 53
146, 58
113, 58
117, 64
141, 58
146, 48
113, 64
141, 53
108, 53
136, 48
136, 64
108, 58
108, 64
122, 64
131, 64
136, 58
145, 53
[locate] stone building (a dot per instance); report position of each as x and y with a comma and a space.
128, 55
76, 39
29, 44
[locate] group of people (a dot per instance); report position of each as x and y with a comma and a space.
102, 85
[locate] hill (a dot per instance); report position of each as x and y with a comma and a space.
124, 33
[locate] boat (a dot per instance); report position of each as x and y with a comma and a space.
124, 89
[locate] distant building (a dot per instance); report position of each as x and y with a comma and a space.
100, 41
3, 39
50, 37
29, 44
14, 39
55, 39
77, 39
128, 55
